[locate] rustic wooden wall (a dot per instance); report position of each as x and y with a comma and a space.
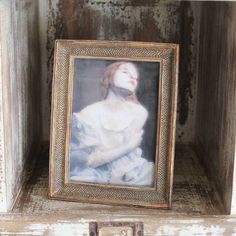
157, 21
211, 125
216, 98
205, 34
20, 96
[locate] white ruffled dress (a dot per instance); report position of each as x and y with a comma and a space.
109, 124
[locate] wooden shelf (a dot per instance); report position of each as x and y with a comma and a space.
206, 117
192, 192
195, 204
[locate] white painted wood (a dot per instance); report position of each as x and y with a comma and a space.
6, 164
19, 123
17, 18
65, 224
3, 200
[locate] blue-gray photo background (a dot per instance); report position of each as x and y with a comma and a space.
87, 89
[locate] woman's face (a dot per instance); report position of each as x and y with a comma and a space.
126, 77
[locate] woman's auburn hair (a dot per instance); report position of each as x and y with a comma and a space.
108, 75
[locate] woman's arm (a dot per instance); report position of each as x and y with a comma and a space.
101, 157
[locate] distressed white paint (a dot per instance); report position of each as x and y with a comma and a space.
18, 77
3, 200
7, 12
37, 229
6, 53
166, 20
194, 229
161, 15
153, 225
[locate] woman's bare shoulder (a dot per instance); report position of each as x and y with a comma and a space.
89, 114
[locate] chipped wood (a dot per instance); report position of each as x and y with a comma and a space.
67, 224
20, 115
192, 192
195, 203
152, 21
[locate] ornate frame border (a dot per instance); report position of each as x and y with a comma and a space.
59, 188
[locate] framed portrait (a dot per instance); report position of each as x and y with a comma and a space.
113, 122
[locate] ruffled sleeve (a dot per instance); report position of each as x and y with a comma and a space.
84, 135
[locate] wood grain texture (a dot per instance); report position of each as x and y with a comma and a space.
150, 21
66, 224
3, 197
193, 212
20, 97
216, 123
193, 194
141, 20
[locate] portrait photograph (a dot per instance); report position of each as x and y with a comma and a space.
114, 122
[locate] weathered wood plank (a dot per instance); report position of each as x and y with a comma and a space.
3, 197
67, 224
216, 123
157, 21
123, 20
19, 92
192, 193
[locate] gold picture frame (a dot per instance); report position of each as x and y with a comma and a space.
80, 170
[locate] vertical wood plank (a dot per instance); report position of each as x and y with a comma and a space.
3, 200
157, 21
216, 124
5, 9
20, 80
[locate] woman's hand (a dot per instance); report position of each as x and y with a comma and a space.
135, 140
100, 156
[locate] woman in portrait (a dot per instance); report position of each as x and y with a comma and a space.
106, 135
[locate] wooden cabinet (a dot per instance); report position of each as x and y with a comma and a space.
204, 181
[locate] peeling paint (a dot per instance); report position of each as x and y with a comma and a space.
192, 194
3, 200
194, 229
161, 226
69, 229
20, 77
170, 22
157, 21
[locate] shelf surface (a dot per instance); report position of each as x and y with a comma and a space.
192, 192
195, 206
